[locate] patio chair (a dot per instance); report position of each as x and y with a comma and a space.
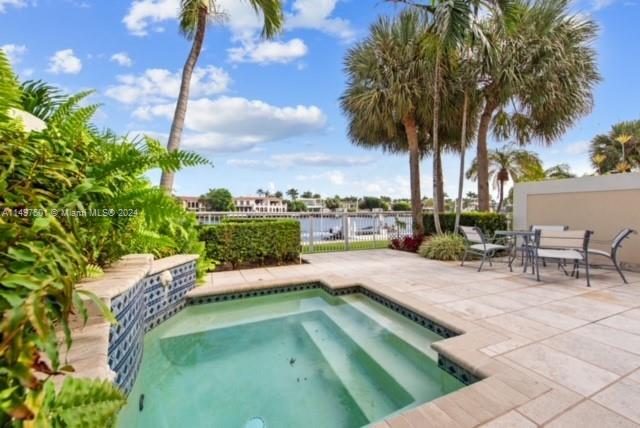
612, 255
565, 245
477, 244
522, 247
550, 228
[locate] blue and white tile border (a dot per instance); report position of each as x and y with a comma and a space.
141, 293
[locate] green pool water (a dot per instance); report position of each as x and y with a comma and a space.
301, 359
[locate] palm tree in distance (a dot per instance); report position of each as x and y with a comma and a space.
618, 150
194, 17
506, 164
559, 171
293, 194
260, 192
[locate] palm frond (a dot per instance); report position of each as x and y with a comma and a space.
9, 87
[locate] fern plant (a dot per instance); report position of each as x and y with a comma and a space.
69, 165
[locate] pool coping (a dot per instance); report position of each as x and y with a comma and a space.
495, 388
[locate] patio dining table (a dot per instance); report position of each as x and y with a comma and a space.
528, 237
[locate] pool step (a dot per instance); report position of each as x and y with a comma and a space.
375, 392
417, 373
419, 337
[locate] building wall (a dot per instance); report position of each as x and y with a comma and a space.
604, 204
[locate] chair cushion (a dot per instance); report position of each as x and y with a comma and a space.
559, 254
600, 253
489, 247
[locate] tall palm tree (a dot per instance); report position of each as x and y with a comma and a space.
195, 15
505, 164
260, 192
386, 95
540, 79
455, 27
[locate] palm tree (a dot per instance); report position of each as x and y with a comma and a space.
540, 79
194, 17
619, 150
293, 194
508, 163
386, 96
559, 171
455, 28
260, 192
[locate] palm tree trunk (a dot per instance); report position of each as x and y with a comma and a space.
463, 143
482, 157
501, 187
440, 178
175, 136
436, 144
411, 130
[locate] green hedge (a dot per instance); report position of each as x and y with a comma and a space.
488, 222
252, 242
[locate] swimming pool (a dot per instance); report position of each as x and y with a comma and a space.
298, 359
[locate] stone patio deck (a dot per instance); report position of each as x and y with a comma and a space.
553, 353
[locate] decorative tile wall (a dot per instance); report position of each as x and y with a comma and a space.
138, 310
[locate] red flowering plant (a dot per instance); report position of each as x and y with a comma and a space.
407, 243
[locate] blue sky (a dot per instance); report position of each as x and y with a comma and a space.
266, 113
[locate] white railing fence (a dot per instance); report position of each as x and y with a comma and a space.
328, 231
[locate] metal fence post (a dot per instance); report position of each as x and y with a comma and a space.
375, 231
311, 233
345, 230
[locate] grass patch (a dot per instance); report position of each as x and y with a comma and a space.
326, 247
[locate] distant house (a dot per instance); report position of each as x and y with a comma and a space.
259, 204
349, 204
193, 203
312, 204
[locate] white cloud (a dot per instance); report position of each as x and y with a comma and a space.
597, 5
13, 52
160, 85
395, 187
267, 51
236, 124
577, 148
317, 15
144, 12
144, 15
288, 160
122, 58
14, 3
64, 61
335, 177
233, 114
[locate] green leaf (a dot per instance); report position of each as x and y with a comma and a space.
18, 280
87, 403
41, 223
106, 312
13, 299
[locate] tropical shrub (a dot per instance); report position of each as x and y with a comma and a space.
446, 246
401, 206
488, 222
240, 242
72, 200
407, 243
